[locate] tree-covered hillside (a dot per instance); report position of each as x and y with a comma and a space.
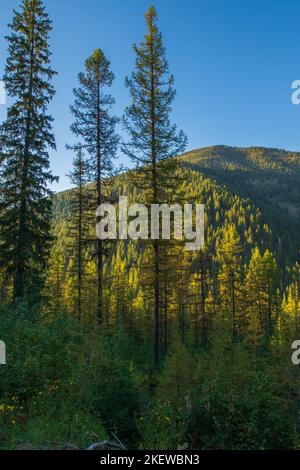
263, 181
269, 176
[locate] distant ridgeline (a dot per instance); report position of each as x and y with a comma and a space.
256, 188
269, 177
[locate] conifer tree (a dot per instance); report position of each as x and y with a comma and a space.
202, 290
254, 297
229, 253
55, 280
170, 276
94, 125
25, 139
153, 139
261, 296
78, 228
90, 290
291, 304
270, 278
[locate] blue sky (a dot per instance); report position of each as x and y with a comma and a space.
233, 62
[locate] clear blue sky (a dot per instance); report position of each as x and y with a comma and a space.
233, 61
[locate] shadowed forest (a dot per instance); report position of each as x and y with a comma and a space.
140, 342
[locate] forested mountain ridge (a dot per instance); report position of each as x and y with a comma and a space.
267, 175
260, 180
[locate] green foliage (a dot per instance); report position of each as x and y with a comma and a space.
26, 136
36, 351
240, 403
231, 400
269, 177
39, 394
115, 398
165, 423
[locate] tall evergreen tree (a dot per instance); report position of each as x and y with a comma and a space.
55, 281
96, 128
255, 297
201, 279
229, 254
261, 296
291, 304
270, 278
79, 219
25, 139
153, 139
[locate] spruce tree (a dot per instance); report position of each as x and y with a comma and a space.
153, 139
94, 125
25, 139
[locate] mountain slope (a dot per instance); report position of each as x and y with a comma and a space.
235, 185
268, 176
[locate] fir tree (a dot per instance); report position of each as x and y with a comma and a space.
96, 128
25, 139
153, 139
